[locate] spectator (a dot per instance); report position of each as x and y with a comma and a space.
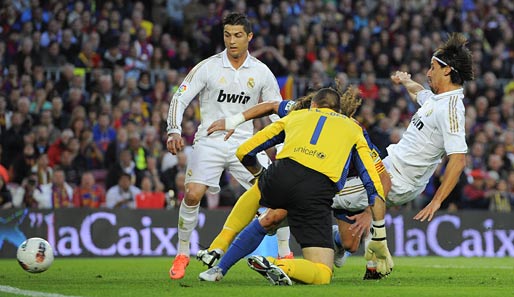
5, 194
12, 141
24, 195
57, 194
56, 149
474, 194
123, 194
70, 164
22, 165
42, 170
125, 165
500, 198
88, 194
149, 197
103, 133
115, 147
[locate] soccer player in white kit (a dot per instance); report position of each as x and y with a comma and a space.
227, 84
436, 130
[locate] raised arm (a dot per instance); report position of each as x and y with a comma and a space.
404, 78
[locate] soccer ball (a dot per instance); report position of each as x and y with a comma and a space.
35, 255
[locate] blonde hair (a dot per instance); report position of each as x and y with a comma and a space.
350, 101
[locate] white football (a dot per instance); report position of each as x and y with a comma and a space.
35, 255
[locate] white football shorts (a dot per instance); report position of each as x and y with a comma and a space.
353, 197
401, 191
211, 155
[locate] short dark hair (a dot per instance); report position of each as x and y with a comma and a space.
329, 98
458, 57
236, 18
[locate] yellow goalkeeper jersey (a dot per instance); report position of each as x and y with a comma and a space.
320, 139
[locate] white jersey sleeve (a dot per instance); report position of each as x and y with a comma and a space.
190, 87
423, 96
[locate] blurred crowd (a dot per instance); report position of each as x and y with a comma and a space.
85, 89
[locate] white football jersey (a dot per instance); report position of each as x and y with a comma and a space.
223, 91
436, 129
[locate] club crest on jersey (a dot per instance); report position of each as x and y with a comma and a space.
233, 98
189, 172
250, 83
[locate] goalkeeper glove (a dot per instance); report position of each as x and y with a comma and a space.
377, 249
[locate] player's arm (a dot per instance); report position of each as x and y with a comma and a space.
367, 171
254, 112
269, 136
404, 78
451, 121
187, 91
455, 166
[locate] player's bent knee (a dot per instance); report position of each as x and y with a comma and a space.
351, 244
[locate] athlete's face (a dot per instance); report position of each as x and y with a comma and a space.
236, 41
437, 76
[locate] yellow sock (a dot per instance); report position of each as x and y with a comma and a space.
241, 215
304, 271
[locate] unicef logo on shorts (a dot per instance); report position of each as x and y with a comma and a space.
321, 155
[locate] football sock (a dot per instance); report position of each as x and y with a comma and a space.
337, 239
241, 215
187, 221
305, 271
246, 242
283, 241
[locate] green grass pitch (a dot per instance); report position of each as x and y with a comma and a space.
117, 277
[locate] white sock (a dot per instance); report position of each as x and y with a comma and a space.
283, 235
187, 221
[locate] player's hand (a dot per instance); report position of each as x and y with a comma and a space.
399, 77
428, 212
362, 223
175, 143
219, 125
377, 250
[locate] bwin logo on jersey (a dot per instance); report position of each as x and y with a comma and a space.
417, 122
233, 98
